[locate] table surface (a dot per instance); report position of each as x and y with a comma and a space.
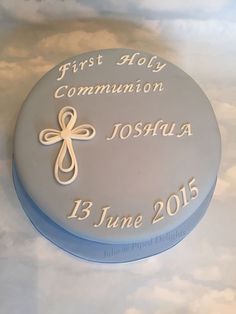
198, 275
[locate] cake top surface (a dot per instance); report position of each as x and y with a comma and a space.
117, 145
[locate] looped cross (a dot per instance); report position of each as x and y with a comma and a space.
67, 119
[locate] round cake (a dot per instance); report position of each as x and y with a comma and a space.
116, 154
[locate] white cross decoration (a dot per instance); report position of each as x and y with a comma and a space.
67, 118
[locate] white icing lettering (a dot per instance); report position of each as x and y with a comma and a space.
158, 207
184, 196
124, 131
128, 87
150, 65
138, 128
75, 210
63, 68
151, 128
185, 129
116, 127
126, 222
138, 221
172, 199
85, 210
138, 86
159, 67
74, 67
149, 62
147, 87
116, 89
99, 89
99, 58
112, 222
127, 59
82, 63
102, 218
163, 209
175, 201
166, 131
84, 90
71, 92
57, 95
141, 61
193, 188
158, 86
117, 221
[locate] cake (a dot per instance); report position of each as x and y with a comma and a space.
116, 154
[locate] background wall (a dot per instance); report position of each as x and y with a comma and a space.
198, 276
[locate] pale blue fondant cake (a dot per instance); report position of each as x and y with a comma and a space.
116, 155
